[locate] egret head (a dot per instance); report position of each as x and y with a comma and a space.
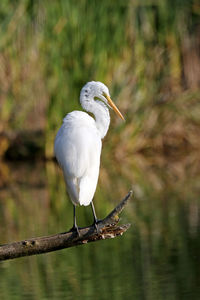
96, 90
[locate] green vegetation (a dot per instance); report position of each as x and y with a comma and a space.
147, 53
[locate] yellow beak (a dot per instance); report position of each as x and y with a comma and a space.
110, 102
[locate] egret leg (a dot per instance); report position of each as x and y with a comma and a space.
75, 227
95, 217
94, 213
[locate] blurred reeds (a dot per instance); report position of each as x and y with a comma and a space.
147, 52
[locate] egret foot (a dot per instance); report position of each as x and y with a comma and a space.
75, 229
95, 224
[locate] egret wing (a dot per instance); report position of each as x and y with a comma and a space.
78, 149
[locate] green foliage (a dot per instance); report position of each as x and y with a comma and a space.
147, 52
50, 49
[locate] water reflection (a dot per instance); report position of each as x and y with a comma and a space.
158, 258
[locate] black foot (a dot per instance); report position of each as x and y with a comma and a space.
75, 229
95, 224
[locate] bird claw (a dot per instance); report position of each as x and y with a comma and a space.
95, 224
75, 229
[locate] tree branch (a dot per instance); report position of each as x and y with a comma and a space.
107, 229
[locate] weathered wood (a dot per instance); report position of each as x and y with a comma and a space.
108, 228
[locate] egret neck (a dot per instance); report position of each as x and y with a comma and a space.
100, 112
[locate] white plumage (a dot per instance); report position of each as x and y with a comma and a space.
78, 143
78, 150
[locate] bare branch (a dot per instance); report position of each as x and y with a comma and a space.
107, 229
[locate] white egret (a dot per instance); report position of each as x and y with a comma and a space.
78, 144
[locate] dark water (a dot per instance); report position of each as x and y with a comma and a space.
158, 257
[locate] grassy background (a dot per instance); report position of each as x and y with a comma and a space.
147, 53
